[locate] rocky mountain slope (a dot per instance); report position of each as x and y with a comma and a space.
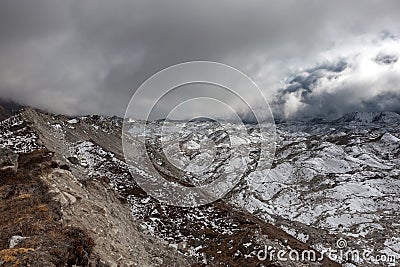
335, 180
329, 180
53, 217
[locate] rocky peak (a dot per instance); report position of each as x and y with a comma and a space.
370, 117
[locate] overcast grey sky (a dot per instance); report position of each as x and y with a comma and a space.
310, 58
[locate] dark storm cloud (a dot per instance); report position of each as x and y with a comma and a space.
386, 59
89, 56
306, 80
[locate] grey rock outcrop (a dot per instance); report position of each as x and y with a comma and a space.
8, 159
15, 240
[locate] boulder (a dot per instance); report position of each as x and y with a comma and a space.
15, 240
8, 159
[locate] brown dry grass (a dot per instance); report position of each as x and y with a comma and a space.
28, 209
9, 255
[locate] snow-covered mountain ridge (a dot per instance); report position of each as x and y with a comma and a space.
329, 180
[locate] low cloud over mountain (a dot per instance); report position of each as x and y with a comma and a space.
364, 78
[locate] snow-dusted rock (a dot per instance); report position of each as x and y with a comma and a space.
15, 240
